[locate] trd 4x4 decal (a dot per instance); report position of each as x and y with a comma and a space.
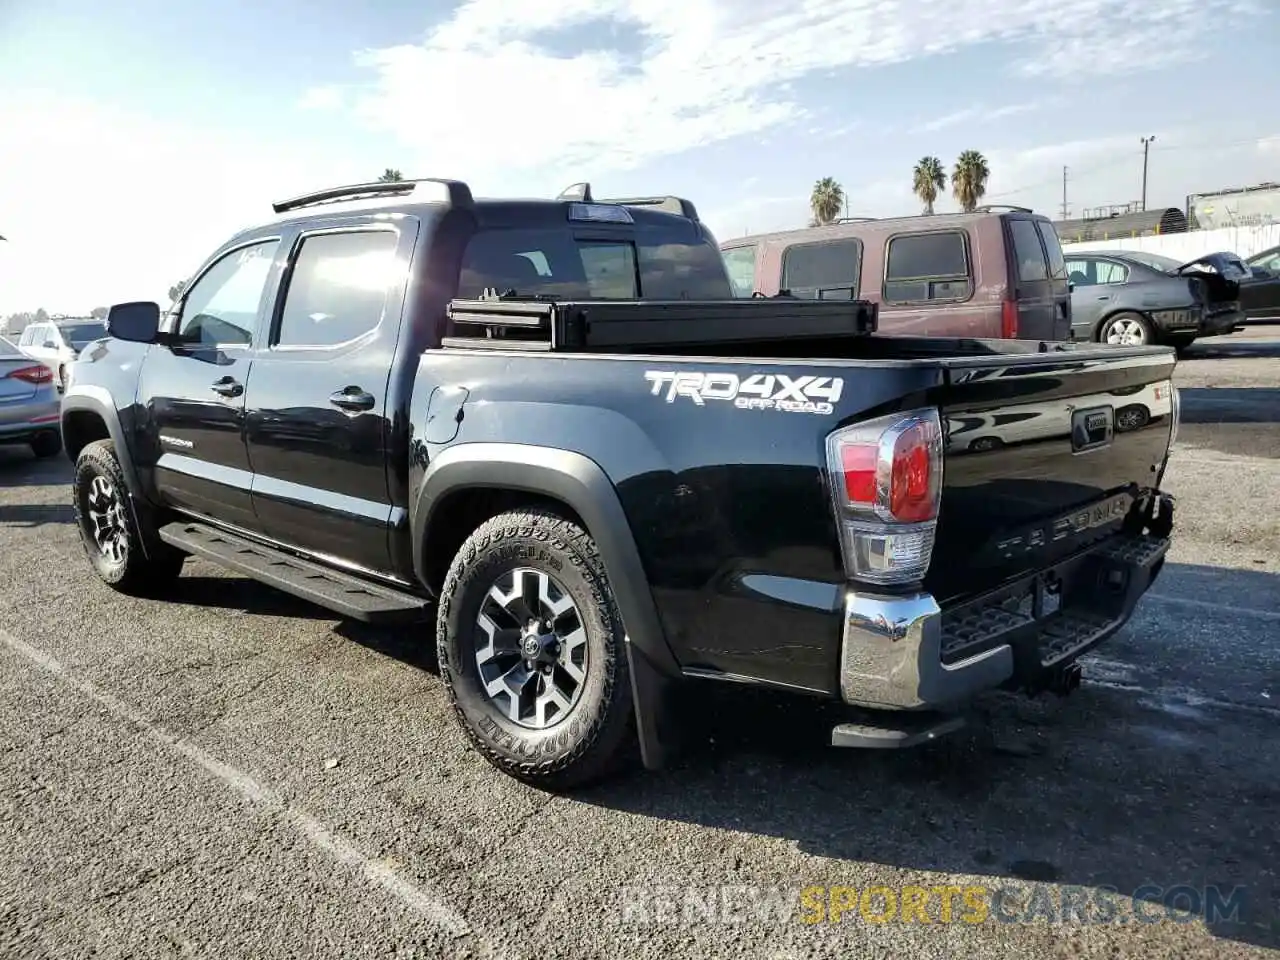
759, 391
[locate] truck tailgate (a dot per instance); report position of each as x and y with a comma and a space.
1044, 456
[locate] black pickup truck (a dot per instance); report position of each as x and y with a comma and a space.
547, 430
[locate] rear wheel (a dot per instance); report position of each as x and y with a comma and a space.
1126, 330
47, 444
530, 647
108, 530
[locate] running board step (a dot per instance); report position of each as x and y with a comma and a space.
894, 731
335, 590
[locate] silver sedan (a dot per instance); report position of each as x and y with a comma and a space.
29, 403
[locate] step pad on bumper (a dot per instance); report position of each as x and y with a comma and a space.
336, 590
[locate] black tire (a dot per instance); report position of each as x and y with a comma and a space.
1127, 317
128, 569
47, 444
592, 738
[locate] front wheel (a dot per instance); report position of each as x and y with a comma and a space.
531, 650
109, 530
1126, 330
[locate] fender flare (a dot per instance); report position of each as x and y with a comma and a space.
98, 401
580, 483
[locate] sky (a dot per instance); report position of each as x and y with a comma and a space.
135, 138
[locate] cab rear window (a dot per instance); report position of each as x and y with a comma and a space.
549, 262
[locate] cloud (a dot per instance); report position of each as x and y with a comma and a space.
697, 72
321, 98
978, 114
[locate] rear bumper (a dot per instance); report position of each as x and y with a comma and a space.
1227, 321
907, 653
21, 422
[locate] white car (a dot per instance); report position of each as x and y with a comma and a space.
56, 343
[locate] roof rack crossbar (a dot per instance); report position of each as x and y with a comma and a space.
458, 194
581, 193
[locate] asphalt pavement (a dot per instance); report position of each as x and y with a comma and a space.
234, 773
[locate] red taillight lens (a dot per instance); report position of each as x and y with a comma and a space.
37, 374
886, 481
1009, 320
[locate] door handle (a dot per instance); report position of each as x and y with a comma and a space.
228, 387
1107, 297
352, 398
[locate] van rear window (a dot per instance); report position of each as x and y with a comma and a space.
552, 262
1057, 263
1027, 251
920, 267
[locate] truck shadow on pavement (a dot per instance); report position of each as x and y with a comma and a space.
1111, 787
1239, 346
35, 514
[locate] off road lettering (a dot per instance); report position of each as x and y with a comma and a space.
759, 391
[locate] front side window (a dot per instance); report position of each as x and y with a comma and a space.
740, 262
221, 308
338, 288
826, 270
920, 267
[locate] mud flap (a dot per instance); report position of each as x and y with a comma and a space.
651, 690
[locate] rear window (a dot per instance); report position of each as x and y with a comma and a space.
741, 264
921, 267
551, 262
1027, 251
825, 270
1057, 263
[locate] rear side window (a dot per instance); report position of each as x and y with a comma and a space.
922, 267
1052, 246
827, 270
338, 288
551, 262
741, 264
1027, 251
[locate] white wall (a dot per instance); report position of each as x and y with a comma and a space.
1244, 241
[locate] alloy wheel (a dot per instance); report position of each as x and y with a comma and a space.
531, 648
106, 514
1126, 333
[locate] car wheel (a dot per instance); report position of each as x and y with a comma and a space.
1126, 330
47, 444
531, 651
109, 530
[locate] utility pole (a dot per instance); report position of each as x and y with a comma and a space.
1146, 146
1066, 210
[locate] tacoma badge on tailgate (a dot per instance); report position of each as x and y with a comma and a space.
1091, 428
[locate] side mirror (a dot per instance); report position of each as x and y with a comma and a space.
138, 321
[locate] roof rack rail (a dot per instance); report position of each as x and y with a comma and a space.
581, 193
988, 208
456, 193
853, 219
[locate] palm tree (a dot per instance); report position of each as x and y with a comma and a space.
390, 176
928, 180
969, 179
826, 201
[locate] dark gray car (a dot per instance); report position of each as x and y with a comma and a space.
1133, 298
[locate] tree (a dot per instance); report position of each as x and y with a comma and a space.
40, 316
969, 179
928, 180
826, 201
176, 290
98, 313
390, 175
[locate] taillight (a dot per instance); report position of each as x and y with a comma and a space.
886, 485
1009, 320
36, 374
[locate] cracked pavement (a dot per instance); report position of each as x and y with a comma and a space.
235, 773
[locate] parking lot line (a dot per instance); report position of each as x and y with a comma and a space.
430, 907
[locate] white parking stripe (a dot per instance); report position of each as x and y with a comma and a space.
1218, 607
343, 851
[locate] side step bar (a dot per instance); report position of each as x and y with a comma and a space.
341, 592
894, 730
